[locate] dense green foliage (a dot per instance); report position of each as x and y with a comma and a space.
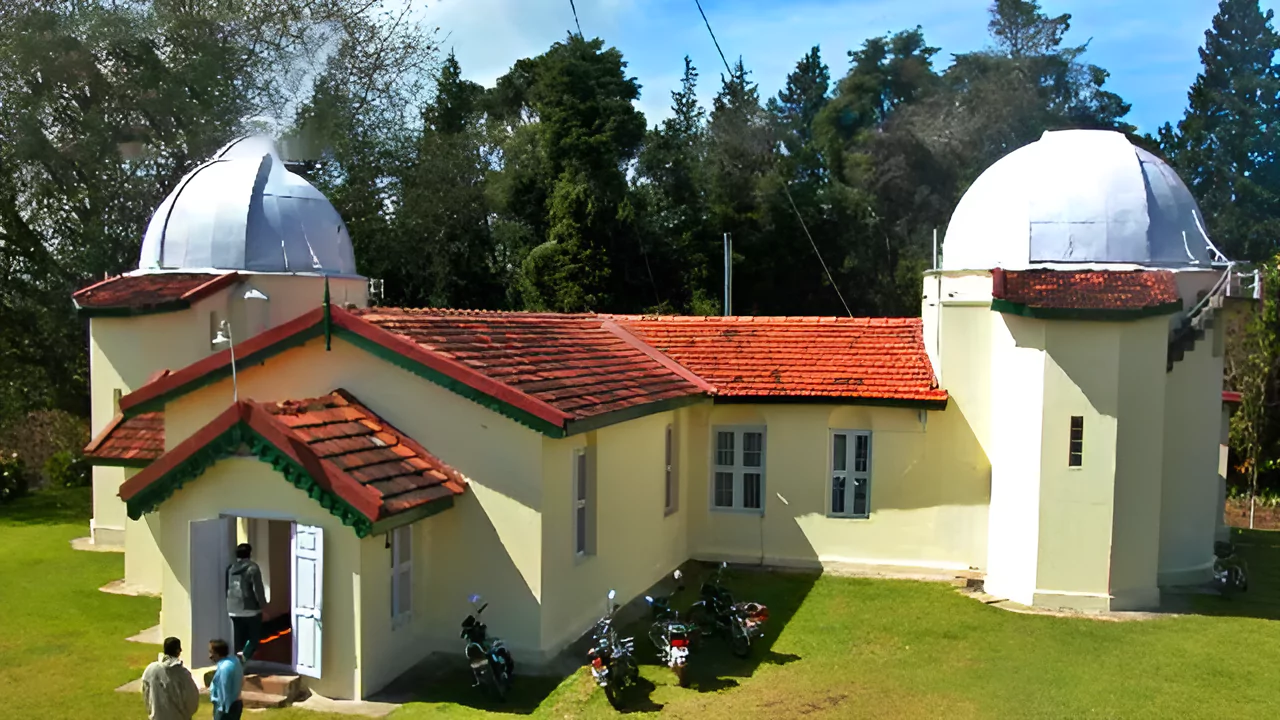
550, 190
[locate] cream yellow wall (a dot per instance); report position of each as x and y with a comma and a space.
246, 486
490, 541
1135, 551
1082, 375
1189, 505
434, 621
637, 543
125, 351
1017, 408
143, 561
929, 490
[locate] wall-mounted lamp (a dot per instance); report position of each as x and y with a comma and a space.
224, 338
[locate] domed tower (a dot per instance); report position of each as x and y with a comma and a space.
241, 245
1071, 321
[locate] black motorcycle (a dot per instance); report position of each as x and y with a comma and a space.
491, 662
612, 659
1230, 575
716, 612
669, 634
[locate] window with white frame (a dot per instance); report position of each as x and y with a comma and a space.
737, 481
401, 575
670, 481
584, 542
851, 473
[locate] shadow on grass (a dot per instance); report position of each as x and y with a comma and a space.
50, 506
437, 681
712, 666
1260, 550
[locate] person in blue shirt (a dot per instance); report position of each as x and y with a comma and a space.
228, 678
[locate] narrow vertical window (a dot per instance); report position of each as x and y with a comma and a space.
670, 490
1075, 451
580, 502
401, 575
851, 473
116, 394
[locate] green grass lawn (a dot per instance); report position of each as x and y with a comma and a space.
840, 648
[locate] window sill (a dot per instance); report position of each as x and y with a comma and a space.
580, 558
400, 622
668, 512
737, 511
834, 516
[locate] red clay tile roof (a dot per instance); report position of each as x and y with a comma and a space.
1124, 290
149, 292
340, 430
574, 363
867, 358
346, 450
134, 440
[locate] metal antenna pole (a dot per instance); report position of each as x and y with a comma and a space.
728, 275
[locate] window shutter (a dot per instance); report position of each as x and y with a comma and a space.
593, 492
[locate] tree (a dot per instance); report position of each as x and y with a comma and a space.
1225, 147
671, 191
1253, 370
106, 106
740, 152
574, 132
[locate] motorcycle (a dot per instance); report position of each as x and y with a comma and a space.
669, 635
612, 659
1230, 575
491, 662
716, 612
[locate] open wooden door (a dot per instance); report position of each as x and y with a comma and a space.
308, 583
210, 556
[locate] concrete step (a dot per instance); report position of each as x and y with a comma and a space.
255, 699
290, 686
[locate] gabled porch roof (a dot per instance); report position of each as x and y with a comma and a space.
335, 449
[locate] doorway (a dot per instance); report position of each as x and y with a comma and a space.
289, 556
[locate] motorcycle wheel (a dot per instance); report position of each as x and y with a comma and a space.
739, 641
501, 684
613, 694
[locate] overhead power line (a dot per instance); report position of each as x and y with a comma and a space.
785, 183
713, 38
575, 17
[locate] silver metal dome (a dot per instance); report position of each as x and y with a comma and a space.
243, 210
1077, 197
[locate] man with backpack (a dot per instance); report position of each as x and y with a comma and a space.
245, 600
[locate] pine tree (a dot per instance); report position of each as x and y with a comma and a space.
1226, 145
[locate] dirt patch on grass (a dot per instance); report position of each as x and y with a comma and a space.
1264, 518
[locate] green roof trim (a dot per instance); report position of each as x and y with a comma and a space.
227, 444
255, 358
158, 308
595, 422
1103, 315
458, 387
412, 516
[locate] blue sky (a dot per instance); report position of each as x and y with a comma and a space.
1148, 45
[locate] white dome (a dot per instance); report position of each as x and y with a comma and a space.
1078, 197
243, 210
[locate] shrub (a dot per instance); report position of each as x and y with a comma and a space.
15, 480
67, 468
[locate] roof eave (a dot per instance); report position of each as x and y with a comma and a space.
912, 403
1009, 307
